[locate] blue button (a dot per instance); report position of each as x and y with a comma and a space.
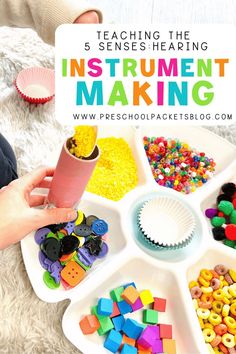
99, 227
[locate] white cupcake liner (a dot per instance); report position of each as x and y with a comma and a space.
166, 223
36, 85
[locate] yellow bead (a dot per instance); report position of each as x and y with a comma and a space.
228, 340
208, 335
203, 313
230, 322
215, 319
225, 310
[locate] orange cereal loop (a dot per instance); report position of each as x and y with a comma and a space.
232, 331
220, 329
205, 305
207, 298
215, 275
216, 341
223, 348
206, 274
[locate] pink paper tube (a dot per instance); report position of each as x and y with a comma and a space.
71, 177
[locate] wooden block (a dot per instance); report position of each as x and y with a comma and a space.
159, 304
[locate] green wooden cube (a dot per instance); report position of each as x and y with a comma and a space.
150, 316
105, 326
116, 294
94, 311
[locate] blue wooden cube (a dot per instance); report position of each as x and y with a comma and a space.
128, 349
132, 328
105, 307
113, 341
130, 284
118, 322
124, 307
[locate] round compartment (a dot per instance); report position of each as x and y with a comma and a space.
166, 222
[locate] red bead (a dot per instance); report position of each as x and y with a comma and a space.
234, 203
220, 214
230, 232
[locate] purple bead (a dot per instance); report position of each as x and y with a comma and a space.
70, 227
137, 305
42, 258
40, 235
211, 212
85, 257
103, 251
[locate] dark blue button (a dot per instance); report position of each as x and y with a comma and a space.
83, 230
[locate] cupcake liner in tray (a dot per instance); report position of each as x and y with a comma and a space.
166, 271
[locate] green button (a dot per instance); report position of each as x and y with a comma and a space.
49, 281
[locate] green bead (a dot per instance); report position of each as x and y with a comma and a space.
226, 207
150, 316
233, 217
49, 281
229, 243
217, 221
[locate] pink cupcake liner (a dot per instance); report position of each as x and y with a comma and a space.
36, 85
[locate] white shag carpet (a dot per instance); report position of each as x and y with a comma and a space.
28, 325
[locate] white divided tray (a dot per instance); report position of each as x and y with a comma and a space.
165, 273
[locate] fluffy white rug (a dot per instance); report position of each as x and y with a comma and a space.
28, 325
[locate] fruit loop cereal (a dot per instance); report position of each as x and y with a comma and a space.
83, 142
214, 299
223, 215
176, 165
116, 172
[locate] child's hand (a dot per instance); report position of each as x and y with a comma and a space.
17, 217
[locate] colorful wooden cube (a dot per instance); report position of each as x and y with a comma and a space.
128, 340
116, 311
147, 337
157, 346
118, 322
128, 349
124, 307
146, 297
169, 346
130, 284
130, 295
72, 273
105, 307
105, 326
113, 341
89, 324
132, 328
165, 331
137, 305
150, 316
94, 311
159, 304
116, 294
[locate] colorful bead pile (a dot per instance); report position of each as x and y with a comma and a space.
176, 165
223, 215
116, 172
124, 334
68, 251
83, 142
214, 299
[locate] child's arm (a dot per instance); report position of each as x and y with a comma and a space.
42, 15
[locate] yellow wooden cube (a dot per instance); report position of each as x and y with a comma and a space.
146, 297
